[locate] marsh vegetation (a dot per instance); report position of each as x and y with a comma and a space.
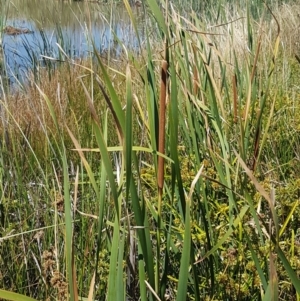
157, 160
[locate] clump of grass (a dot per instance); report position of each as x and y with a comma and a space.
211, 227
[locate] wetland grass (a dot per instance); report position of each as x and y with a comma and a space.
167, 175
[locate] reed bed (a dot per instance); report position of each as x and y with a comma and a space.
170, 174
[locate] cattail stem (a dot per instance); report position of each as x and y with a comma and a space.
162, 122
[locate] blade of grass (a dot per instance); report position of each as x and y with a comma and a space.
14, 296
186, 252
112, 292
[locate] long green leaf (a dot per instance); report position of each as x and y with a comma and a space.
185, 257
293, 276
5, 295
128, 133
158, 15
113, 265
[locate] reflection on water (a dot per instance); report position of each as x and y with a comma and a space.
71, 25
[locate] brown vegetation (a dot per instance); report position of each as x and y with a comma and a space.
10, 30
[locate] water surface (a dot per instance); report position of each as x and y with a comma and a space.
57, 25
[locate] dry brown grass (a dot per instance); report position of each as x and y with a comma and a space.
27, 110
233, 32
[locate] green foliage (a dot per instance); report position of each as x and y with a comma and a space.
83, 212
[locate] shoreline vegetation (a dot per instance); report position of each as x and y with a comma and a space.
10, 30
167, 173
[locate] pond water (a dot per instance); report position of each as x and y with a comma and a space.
72, 26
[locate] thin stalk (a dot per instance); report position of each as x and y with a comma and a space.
161, 149
235, 98
161, 145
